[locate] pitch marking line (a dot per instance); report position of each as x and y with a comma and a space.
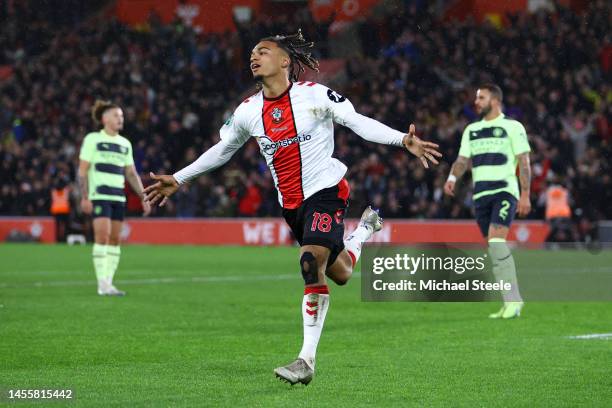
156, 281
604, 336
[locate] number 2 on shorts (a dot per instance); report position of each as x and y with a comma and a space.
503, 211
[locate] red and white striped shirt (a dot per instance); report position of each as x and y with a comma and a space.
295, 133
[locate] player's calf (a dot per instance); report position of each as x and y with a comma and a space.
315, 303
341, 270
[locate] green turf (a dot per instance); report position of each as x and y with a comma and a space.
214, 340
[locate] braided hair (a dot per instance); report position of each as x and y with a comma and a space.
297, 47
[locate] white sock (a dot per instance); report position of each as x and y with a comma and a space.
113, 254
314, 309
355, 240
100, 261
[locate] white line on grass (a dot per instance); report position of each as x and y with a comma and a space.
156, 281
605, 336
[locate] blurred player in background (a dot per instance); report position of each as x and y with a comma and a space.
293, 124
105, 162
495, 145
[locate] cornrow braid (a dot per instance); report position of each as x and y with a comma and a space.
297, 47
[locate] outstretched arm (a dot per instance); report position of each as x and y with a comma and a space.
370, 129
343, 112
374, 131
214, 157
458, 169
166, 185
233, 135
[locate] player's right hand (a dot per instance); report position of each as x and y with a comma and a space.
164, 186
86, 206
449, 188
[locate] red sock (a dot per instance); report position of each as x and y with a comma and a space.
353, 258
320, 289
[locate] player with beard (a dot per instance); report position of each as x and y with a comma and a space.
495, 145
292, 121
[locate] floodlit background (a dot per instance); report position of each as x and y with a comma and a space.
179, 68
205, 324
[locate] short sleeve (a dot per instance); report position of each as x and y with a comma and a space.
334, 103
129, 157
518, 139
87, 148
465, 150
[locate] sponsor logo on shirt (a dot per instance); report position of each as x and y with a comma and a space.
269, 147
279, 129
335, 96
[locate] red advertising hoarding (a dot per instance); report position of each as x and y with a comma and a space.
206, 15
214, 16
273, 231
343, 10
258, 231
40, 228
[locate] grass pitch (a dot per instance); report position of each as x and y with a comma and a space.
205, 326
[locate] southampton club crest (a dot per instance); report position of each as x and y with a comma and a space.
277, 115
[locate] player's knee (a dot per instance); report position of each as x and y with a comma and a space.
497, 231
341, 280
310, 268
342, 277
113, 241
102, 238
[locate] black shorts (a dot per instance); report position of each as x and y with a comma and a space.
109, 209
319, 220
497, 208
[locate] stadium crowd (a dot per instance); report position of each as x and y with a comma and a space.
177, 87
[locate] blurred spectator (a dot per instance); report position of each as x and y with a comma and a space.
60, 209
558, 213
177, 87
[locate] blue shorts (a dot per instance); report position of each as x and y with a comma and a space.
497, 208
108, 209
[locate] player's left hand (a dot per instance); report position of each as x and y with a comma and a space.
524, 205
420, 148
146, 208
